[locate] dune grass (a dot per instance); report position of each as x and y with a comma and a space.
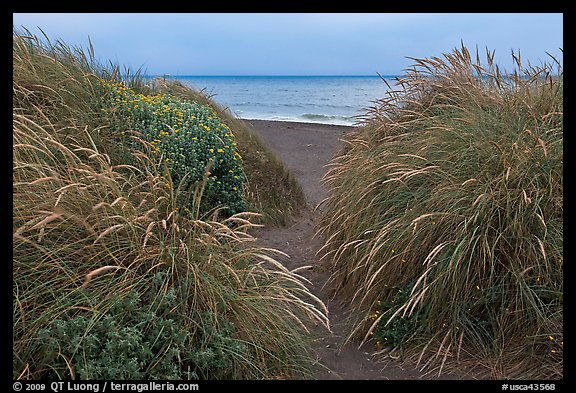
112, 278
444, 224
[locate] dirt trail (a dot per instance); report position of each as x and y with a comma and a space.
306, 149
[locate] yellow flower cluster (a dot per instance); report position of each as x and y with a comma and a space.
185, 136
170, 115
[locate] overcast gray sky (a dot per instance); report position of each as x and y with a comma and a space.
296, 43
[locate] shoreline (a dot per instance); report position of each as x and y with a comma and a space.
297, 121
296, 125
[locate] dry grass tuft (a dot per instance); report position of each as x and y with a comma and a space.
445, 215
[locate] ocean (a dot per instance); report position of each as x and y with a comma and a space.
312, 99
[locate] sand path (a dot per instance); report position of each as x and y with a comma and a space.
305, 149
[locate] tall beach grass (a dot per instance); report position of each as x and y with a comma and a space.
444, 223
111, 278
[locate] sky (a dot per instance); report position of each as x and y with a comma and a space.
296, 43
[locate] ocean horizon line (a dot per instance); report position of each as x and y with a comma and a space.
268, 76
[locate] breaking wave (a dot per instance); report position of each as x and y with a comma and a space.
328, 118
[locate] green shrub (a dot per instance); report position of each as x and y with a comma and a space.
118, 344
139, 337
189, 138
270, 189
396, 333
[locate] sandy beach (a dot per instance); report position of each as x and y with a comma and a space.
306, 148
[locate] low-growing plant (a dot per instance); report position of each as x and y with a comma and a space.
396, 333
139, 337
